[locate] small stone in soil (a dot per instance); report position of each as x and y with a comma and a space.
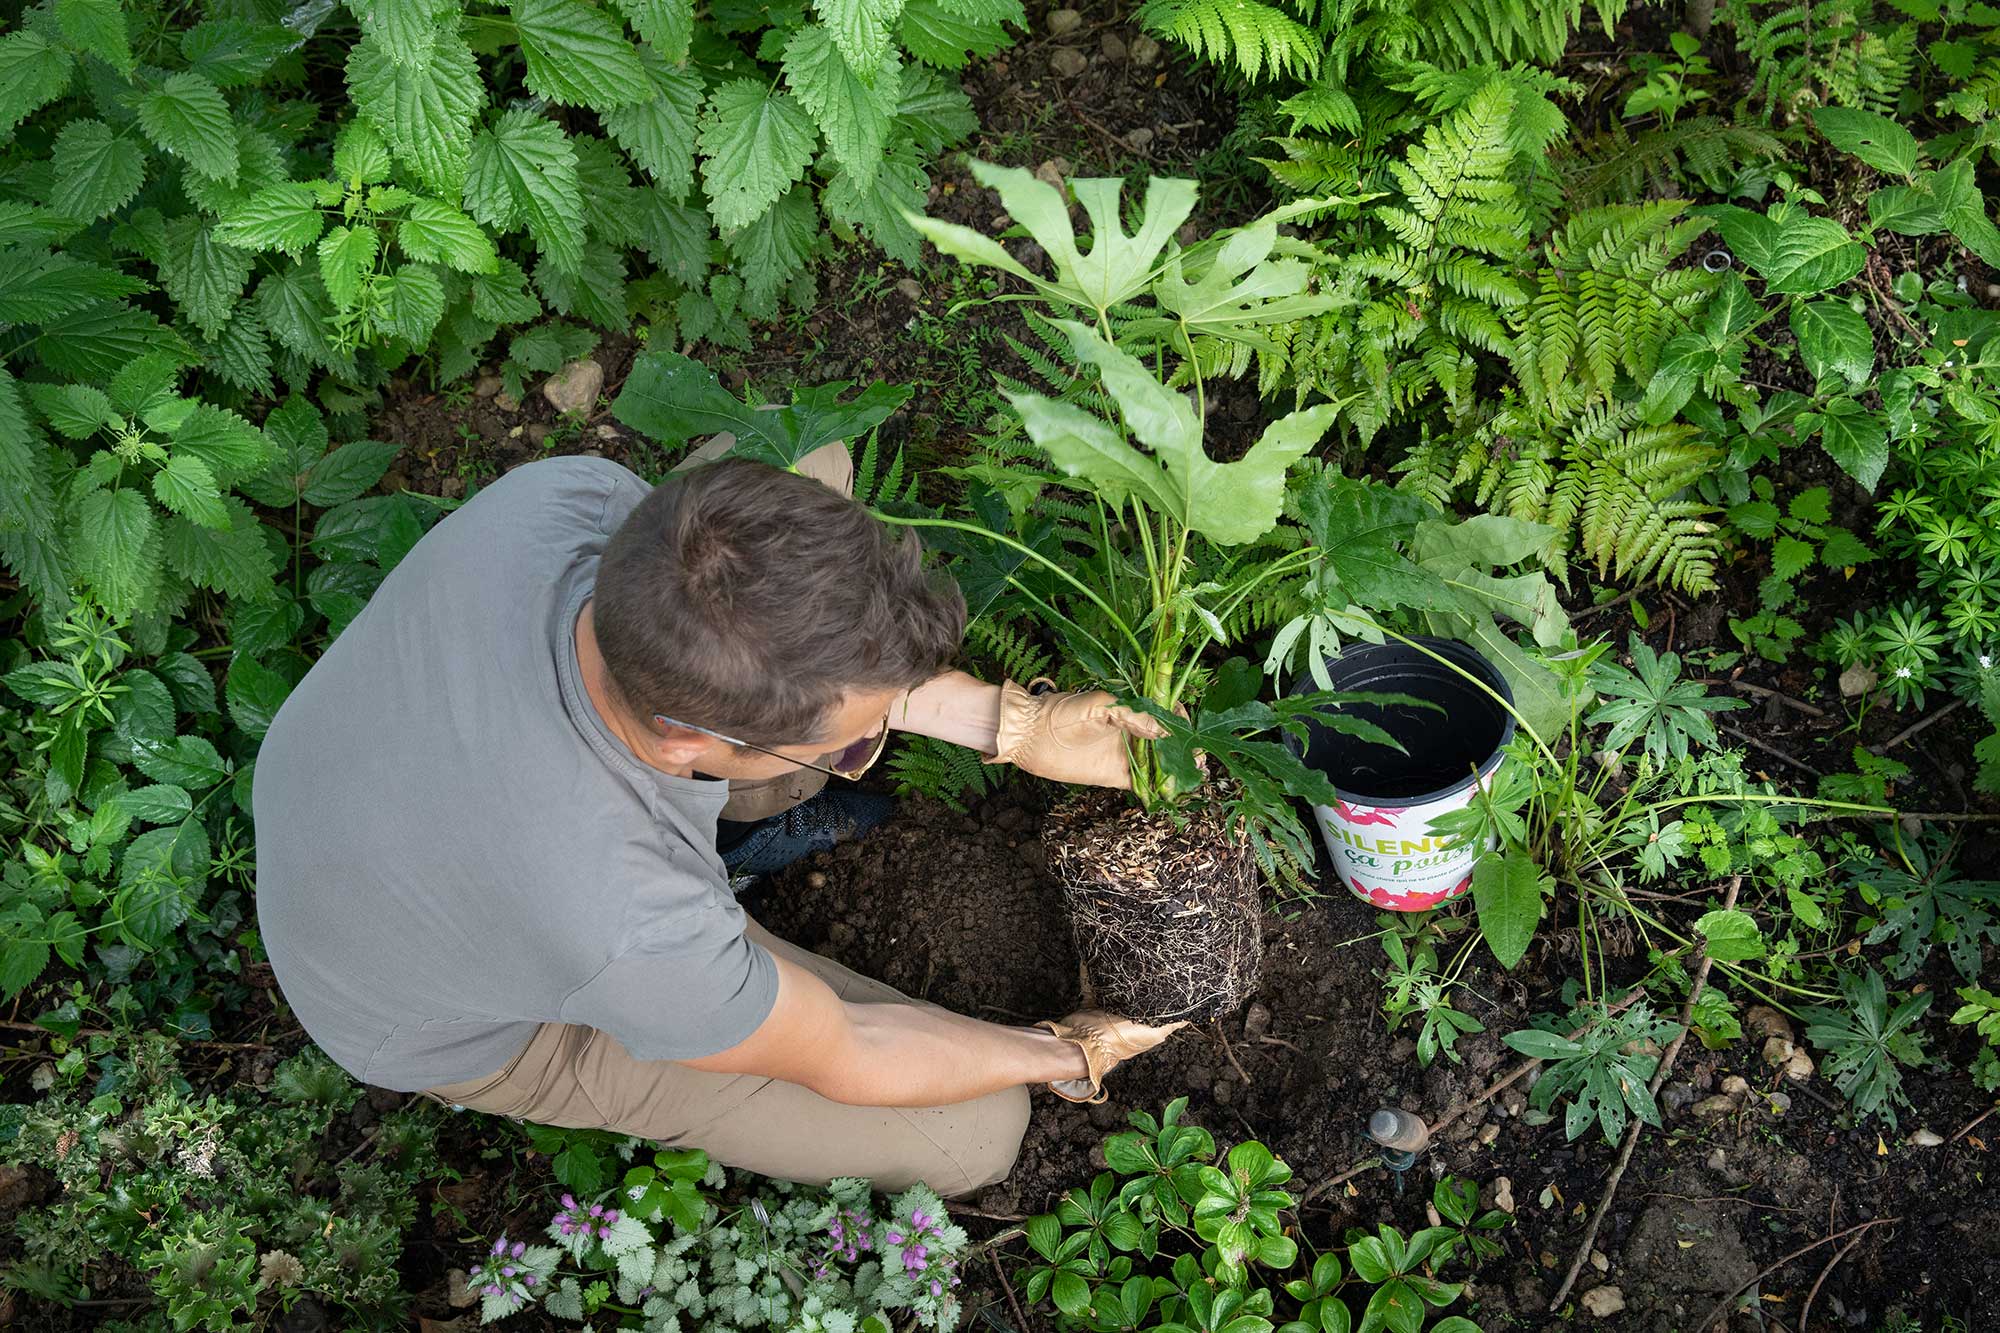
1062, 22
1799, 1068
459, 1289
1139, 140
1502, 1194
1924, 1138
1599, 1261
1113, 47
1777, 1050
1145, 50
1709, 1108
1053, 171
607, 431
538, 432
506, 402
575, 387
1717, 1159
1487, 1134
1736, 1086
1761, 1020
1067, 62
816, 879
487, 386
1603, 1302
910, 288
1256, 1022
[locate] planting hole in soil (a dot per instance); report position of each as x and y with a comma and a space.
1377, 833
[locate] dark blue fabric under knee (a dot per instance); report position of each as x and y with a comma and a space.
769, 845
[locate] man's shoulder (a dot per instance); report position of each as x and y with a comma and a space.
571, 479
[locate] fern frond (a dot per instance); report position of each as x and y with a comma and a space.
1260, 41
948, 773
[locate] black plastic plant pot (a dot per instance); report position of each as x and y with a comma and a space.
1377, 832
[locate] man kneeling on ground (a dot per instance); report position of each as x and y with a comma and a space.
497, 824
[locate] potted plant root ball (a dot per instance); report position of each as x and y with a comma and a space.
1099, 513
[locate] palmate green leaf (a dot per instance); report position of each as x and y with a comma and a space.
1116, 268
1834, 340
94, 172
666, 25
98, 27
286, 216
187, 486
33, 72
659, 133
1359, 527
424, 108
186, 116
576, 55
346, 258
860, 29
755, 144
1230, 503
436, 232
882, 208
854, 113
674, 399
204, 276
523, 169
116, 543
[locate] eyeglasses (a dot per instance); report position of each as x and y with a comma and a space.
850, 763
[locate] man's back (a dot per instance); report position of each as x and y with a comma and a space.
452, 848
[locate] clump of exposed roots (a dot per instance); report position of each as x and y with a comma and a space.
1167, 910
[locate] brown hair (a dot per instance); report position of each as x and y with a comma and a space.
749, 600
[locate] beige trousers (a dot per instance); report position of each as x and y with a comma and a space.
754, 799
578, 1077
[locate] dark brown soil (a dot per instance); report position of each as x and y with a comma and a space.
960, 910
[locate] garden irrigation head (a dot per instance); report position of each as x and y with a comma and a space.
1401, 1137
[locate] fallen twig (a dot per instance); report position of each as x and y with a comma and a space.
1007, 1290
1974, 1125
1766, 692
1767, 748
1805, 1314
1666, 1067
1722, 1306
1230, 1051
1917, 726
970, 1211
1280, 1041
1484, 1095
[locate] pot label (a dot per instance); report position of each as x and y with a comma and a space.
1387, 856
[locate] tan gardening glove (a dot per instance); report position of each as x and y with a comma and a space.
1077, 736
1107, 1041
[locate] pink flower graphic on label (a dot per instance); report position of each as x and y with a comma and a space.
1384, 815
1408, 900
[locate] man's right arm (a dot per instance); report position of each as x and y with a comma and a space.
889, 1054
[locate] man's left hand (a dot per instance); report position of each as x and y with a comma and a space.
1076, 736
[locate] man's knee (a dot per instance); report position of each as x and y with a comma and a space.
996, 1144
830, 465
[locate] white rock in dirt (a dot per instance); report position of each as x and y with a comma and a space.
1068, 62
1924, 1138
1856, 681
910, 288
1736, 1087
506, 402
1712, 1108
1603, 1302
1145, 50
1717, 1159
1599, 1261
607, 431
487, 386
575, 387
1113, 47
1503, 1193
1063, 22
1799, 1068
1487, 1134
1777, 1050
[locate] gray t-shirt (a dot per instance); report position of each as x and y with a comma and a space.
451, 846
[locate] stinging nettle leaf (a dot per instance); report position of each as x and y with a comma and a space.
755, 145
659, 133
97, 26
186, 116
346, 257
424, 109
94, 172
853, 113
524, 169
286, 216
666, 25
438, 233
577, 56
860, 28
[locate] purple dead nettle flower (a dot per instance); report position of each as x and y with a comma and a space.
503, 1275
592, 1223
